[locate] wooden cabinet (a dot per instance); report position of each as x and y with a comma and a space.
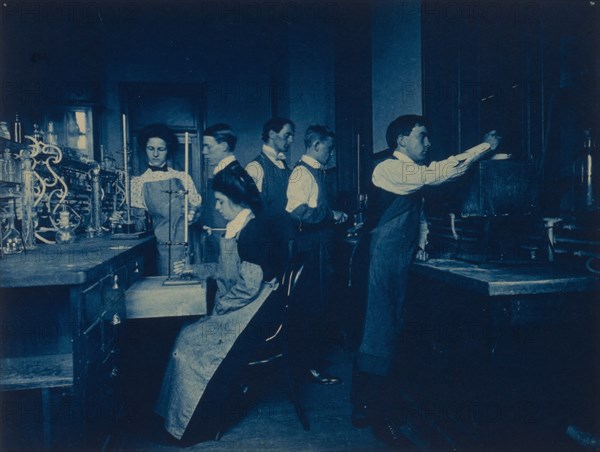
63, 323
502, 356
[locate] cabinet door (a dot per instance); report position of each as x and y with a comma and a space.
113, 286
90, 305
135, 270
112, 325
93, 346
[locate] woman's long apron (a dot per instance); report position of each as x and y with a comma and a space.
202, 348
159, 203
151, 340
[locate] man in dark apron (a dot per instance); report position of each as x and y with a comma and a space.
399, 232
310, 205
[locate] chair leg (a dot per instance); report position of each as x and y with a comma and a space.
293, 393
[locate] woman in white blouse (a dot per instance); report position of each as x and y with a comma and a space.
160, 191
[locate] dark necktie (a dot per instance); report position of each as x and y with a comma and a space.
158, 168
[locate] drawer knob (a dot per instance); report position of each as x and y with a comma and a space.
137, 268
114, 372
116, 320
116, 282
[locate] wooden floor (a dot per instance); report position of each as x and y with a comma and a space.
272, 423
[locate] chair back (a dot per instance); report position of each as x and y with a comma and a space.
274, 325
291, 276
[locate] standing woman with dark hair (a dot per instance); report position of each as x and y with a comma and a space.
202, 366
160, 191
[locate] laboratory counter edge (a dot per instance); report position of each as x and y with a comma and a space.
491, 279
69, 264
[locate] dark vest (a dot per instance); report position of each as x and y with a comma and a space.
385, 206
274, 184
321, 178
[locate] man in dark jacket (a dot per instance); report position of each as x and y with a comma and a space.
218, 145
271, 174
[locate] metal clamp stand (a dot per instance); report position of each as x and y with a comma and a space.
182, 279
185, 278
127, 229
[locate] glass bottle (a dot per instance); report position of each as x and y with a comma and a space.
50, 137
17, 129
585, 169
9, 168
2, 175
64, 232
37, 133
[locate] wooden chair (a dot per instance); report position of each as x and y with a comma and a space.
262, 342
276, 344
265, 341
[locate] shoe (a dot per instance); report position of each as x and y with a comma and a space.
323, 378
360, 416
390, 432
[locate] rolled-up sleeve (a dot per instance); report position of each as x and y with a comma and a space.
255, 170
302, 194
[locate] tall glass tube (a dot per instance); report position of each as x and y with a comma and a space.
28, 221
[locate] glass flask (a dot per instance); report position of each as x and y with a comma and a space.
12, 242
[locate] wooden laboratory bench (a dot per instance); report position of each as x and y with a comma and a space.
72, 264
497, 279
506, 355
62, 312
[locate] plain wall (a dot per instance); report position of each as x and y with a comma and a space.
396, 68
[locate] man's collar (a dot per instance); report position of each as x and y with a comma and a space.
401, 156
277, 158
269, 151
223, 163
311, 161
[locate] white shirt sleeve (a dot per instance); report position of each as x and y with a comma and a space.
194, 197
403, 177
255, 170
137, 199
302, 189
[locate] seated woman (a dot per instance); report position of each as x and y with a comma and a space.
204, 362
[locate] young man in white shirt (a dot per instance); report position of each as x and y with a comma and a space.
399, 234
309, 204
